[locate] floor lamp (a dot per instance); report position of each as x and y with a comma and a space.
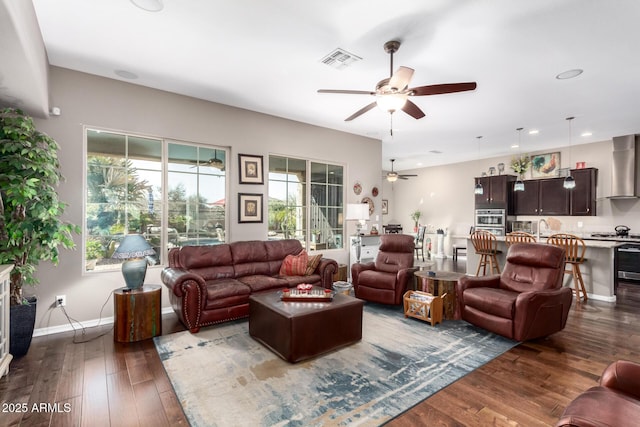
358, 212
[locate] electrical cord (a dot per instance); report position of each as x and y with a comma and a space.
84, 329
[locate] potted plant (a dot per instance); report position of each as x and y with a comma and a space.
415, 216
29, 176
520, 165
93, 251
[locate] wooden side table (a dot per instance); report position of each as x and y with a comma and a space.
444, 282
137, 313
341, 274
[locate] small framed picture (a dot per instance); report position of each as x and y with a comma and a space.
250, 169
545, 165
385, 207
249, 207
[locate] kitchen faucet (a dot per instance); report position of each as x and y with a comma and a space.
540, 222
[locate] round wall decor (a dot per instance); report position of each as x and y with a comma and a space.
368, 201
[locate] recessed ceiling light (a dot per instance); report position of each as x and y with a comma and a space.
586, 133
569, 74
419, 164
149, 5
126, 74
534, 132
515, 146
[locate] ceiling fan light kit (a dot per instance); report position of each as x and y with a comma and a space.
393, 176
392, 94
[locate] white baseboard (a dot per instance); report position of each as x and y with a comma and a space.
86, 323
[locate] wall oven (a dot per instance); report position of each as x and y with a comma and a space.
492, 220
627, 262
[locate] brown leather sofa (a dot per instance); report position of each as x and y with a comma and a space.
526, 301
212, 284
615, 402
385, 280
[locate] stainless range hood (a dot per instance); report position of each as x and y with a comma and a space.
624, 170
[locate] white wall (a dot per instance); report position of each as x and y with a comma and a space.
445, 196
94, 101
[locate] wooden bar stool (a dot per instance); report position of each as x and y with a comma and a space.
486, 245
575, 249
519, 237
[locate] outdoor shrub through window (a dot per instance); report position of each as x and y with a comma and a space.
125, 194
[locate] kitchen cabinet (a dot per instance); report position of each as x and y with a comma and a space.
549, 197
583, 197
553, 198
496, 192
526, 202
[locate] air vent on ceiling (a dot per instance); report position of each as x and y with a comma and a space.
340, 59
435, 152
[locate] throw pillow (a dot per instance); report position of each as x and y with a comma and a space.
313, 264
294, 265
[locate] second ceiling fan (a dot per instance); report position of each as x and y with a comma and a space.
393, 176
392, 93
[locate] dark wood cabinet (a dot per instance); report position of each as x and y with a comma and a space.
496, 192
549, 197
553, 197
583, 197
526, 202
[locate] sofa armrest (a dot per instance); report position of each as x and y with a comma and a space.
326, 269
532, 310
176, 278
623, 376
356, 269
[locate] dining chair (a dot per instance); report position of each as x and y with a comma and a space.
486, 245
574, 248
519, 237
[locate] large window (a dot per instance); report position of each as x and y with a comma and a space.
126, 193
306, 202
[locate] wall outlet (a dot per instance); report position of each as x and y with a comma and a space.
61, 301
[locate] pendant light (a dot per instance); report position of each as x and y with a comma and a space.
478, 190
519, 185
569, 182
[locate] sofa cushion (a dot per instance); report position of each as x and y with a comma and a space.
225, 292
601, 406
294, 265
260, 282
497, 302
313, 263
210, 262
377, 279
312, 279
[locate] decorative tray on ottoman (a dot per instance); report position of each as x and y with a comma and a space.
307, 293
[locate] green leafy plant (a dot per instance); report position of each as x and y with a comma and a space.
415, 216
93, 249
31, 228
521, 165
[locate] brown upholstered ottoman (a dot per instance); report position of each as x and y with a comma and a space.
297, 331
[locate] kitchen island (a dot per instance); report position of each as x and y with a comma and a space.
597, 270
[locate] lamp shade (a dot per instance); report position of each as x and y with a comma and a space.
134, 248
357, 212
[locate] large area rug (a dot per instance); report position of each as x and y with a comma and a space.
223, 377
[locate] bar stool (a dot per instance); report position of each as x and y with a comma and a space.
486, 245
519, 237
575, 249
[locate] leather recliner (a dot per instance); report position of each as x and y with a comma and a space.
526, 301
385, 280
615, 402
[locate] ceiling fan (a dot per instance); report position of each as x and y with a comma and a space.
392, 94
214, 162
393, 176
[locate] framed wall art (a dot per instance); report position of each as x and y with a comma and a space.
385, 207
545, 165
249, 207
250, 169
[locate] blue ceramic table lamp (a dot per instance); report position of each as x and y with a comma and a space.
134, 249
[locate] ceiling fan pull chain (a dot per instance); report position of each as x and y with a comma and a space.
391, 124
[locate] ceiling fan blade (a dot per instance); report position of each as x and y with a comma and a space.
347, 92
360, 112
442, 88
405, 176
413, 110
402, 177
401, 78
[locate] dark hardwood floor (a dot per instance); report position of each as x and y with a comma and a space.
102, 383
